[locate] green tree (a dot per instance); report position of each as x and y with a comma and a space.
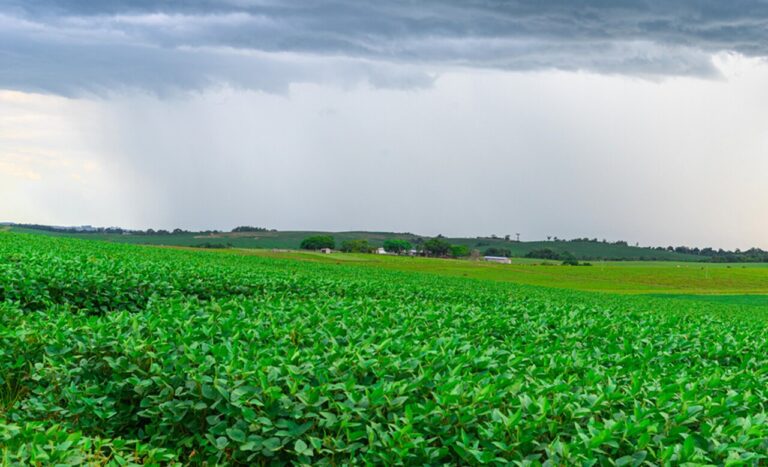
356, 246
459, 251
318, 242
437, 247
396, 245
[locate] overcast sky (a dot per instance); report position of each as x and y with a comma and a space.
645, 121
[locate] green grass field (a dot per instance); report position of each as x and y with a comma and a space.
115, 354
292, 240
631, 277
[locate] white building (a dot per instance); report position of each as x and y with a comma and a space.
327, 251
497, 259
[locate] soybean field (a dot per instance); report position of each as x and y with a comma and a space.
117, 354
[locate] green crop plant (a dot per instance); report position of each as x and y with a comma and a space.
127, 354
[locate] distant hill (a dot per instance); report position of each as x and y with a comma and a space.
582, 249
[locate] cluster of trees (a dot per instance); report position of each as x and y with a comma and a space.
583, 240
165, 232
357, 246
544, 253
498, 251
567, 258
587, 240
394, 245
459, 251
436, 247
248, 228
397, 246
318, 242
753, 255
440, 248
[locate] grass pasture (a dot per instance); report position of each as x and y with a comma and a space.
626, 277
120, 354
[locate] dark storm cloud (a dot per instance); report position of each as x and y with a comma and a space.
71, 46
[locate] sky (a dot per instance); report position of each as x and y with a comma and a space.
644, 121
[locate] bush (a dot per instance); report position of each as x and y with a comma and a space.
569, 259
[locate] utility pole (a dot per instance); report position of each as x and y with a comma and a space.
518, 237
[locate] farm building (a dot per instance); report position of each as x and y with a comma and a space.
325, 250
381, 251
497, 259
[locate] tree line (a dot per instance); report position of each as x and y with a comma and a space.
87, 229
434, 247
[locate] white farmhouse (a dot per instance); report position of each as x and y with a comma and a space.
497, 259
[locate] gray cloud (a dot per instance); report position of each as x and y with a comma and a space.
678, 161
74, 47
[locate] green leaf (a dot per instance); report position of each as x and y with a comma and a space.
235, 434
221, 443
301, 448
